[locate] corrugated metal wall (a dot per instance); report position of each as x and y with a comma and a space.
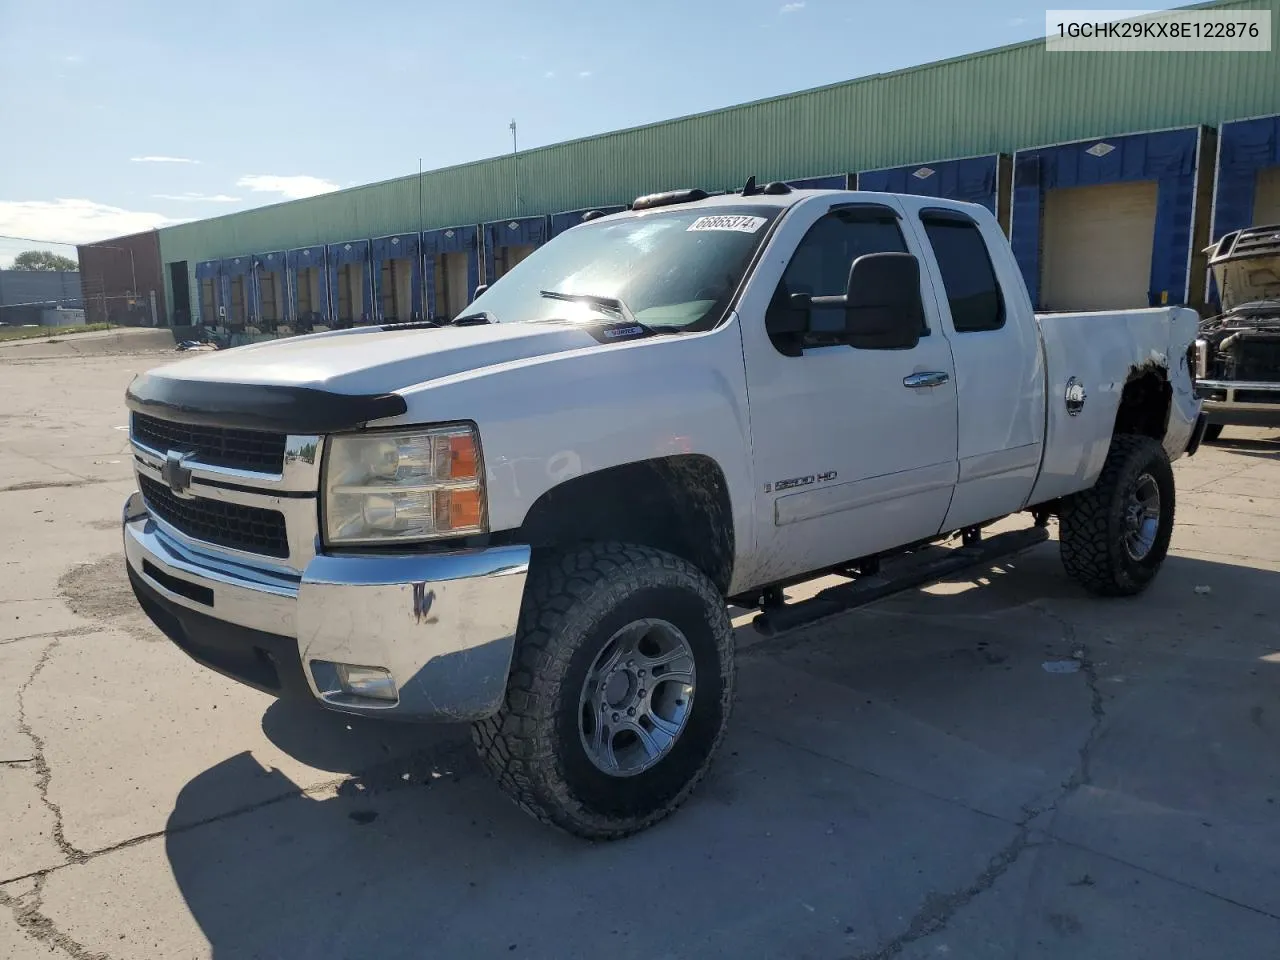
999, 101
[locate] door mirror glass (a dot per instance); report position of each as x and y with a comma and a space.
789, 316
882, 307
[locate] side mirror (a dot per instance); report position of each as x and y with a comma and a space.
882, 308
479, 290
790, 317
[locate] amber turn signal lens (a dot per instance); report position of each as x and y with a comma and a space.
462, 457
464, 509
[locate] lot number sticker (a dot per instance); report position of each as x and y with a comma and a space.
738, 224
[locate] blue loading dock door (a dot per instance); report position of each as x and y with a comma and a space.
308, 288
209, 287
838, 181
1248, 153
970, 179
396, 270
270, 290
450, 270
507, 242
237, 292
1166, 158
560, 222
350, 292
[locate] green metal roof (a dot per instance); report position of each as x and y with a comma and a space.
997, 101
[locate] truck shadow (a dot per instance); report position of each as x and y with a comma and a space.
781, 852
1266, 448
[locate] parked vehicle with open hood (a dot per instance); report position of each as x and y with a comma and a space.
1238, 351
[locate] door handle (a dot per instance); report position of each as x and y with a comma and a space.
932, 378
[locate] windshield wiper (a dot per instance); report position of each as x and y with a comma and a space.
607, 304
473, 319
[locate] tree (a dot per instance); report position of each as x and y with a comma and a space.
43, 260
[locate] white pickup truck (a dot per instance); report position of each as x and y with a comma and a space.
533, 517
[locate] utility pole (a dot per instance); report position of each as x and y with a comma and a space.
515, 164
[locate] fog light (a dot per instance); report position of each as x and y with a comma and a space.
372, 682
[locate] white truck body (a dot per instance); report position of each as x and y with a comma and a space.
824, 455
552, 403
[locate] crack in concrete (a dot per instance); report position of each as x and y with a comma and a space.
56, 634
938, 910
384, 777
26, 911
44, 773
53, 484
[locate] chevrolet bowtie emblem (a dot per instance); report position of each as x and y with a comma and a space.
174, 473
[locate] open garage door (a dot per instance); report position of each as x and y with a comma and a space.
1266, 197
1097, 246
451, 270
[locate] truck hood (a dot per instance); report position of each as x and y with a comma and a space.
377, 360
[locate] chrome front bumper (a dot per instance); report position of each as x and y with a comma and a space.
1240, 403
443, 625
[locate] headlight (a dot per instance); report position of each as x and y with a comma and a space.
413, 484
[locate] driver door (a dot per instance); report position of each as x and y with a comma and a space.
854, 450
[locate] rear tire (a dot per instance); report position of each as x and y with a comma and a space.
564, 745
1212, 432
1114, 536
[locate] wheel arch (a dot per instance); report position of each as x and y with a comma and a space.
679, 504
1145, 402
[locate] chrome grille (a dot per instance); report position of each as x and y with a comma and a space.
217, 446
231, 525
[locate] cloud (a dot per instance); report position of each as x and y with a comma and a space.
791, 7
198, 197
292, 188
583, 74
73, 58
73, 220
1017, 21
549, 74
161, 160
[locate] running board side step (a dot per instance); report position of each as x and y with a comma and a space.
780, 617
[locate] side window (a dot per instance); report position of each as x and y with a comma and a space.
820, 267
967, 275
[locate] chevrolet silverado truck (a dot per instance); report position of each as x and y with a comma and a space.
534, 517
1237, 355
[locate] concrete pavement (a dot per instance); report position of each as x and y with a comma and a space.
995, 766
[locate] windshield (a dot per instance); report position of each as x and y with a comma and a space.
672, 269
1247, 280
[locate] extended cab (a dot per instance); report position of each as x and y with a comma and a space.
1238, 352
532, 517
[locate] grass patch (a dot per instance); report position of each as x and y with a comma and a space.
29, 333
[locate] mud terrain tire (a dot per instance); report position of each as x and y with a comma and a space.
540, 745
1115, 535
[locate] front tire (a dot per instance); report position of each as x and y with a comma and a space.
1115, 536
620, 690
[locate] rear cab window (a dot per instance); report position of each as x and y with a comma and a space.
968, 275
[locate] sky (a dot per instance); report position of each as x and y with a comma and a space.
123, 115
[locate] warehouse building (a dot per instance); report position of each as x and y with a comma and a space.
1111, 173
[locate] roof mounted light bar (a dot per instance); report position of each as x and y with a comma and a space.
651, 200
